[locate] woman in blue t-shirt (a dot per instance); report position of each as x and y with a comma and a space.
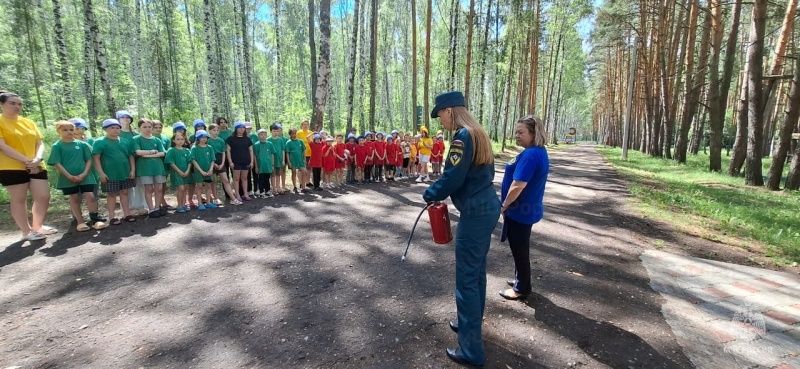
521, 194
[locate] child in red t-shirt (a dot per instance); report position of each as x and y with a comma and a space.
315, 163
437, 151
328, 162
380, 156
391, 157
369, 142
341, 161
361, 152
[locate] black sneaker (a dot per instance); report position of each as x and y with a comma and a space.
154, 214
162, 211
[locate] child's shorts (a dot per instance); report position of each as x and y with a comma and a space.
279, 169
16, 177
405, 162
151, 180
117, 186
78, 189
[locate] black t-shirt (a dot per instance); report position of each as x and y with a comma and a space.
239, 149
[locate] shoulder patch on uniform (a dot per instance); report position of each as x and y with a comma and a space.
455, 157
457, 143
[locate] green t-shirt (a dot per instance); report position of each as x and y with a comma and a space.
218, 144
128, 135
296, 150
225, 134
72, 156
253, 138
204, 156
264, 152
114, 155
182, 158
148, 166
279, 146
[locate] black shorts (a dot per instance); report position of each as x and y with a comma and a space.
16, 177
79, 189
218, 161
241, 167
405, 162
117, 186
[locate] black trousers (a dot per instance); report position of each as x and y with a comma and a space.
263, 182
317, 174
519, 240
378, 172
351, 171
368, 172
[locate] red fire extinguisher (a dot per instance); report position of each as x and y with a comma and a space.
440, 223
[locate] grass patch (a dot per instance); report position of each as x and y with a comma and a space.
712, 205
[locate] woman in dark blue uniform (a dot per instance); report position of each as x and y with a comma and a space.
467, 180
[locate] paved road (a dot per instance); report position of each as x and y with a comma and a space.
316, 281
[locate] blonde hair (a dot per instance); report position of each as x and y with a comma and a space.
61, 124
536, 127
482, 147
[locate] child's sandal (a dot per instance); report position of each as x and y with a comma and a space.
82, 227
130, 219
115, 221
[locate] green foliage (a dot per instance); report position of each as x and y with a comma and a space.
685, 193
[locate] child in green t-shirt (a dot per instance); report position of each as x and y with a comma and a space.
279, 164
179, 159
73, 159
203, 161
150, 167
295, 150
220, 163
264, 153
113, 160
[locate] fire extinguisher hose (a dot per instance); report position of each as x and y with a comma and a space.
412, 231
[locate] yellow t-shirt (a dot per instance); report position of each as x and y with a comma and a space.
413, 156
21, 135
424, 150
302, 135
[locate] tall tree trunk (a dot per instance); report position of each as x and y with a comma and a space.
469, 50
719, 86
240, 68
373, 74
740, 143
456, 9
427, 63
199, 90
31, 51
212, 80
786, 128
63, 57
136, 55
414, 123
352, 74
755, 117
770, 98
278, 63
694, 81
508, 97
534, 59
321, 95
88, 77
100, 54
313, 48
484, 59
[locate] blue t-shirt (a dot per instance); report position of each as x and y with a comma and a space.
530, 166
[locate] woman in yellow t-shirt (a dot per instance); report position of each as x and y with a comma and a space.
22, 168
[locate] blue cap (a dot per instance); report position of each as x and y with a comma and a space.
238, 124
124, 113
200, 134
79, 123
317, 136
198, 122
447, 100
380, 133
389, 138
275, 126
111, 122
350, 135
367, 133
395, 131
262, 130
362, 137
178, 125
440, 136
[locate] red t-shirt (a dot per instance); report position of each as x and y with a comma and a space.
329, 160
391, 153
361, 153
380, 152
371, 152
352, 148
316, 154
437, 151
339, 149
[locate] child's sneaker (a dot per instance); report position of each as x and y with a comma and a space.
217, 202
251, 194
201, 207
211, 205
33, 236
246, 198
296, 191
182, 209
154, 214
270, 195
419, 179
236, 202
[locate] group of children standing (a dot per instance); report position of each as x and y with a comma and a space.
134, 169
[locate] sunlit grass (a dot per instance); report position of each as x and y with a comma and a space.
690, 196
